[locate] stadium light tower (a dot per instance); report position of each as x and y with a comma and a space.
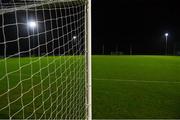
32, 25
166, 35
74, 39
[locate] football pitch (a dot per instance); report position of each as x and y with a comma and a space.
123, 87
136, 87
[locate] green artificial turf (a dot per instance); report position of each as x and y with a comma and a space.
42, 87
123, 87
136, 87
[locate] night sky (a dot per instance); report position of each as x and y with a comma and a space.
119, 24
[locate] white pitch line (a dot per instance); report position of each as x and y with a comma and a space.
140, 81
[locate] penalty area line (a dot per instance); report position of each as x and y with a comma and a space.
138, 81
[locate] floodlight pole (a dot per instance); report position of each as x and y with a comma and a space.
116, 49
166, 35
103, 49
32, 25
130, 49
174, 51
33, 43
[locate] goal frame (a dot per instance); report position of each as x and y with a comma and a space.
88, 47
89, 58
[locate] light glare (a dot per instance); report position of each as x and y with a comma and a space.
166, 34
74, 37
32, 24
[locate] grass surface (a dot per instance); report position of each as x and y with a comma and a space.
123, 87
136, 87
45, 87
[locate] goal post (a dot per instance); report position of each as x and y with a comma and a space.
45, 59
89, 61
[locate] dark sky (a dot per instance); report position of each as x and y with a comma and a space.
116, 25
139, 23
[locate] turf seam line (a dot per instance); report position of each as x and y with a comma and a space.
140, 81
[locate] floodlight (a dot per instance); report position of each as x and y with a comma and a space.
32, 24
166, 34
74, 37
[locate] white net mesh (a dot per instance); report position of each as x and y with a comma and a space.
42, 59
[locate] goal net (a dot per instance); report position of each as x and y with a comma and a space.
43, 59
